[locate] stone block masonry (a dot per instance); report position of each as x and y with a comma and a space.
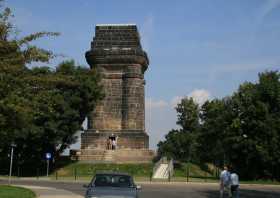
116, 53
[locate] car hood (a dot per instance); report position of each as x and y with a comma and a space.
111, 192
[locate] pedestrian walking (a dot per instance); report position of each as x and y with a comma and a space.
234, 187
225, 183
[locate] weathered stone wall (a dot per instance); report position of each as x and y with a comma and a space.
133, 104
123, 106
120, 36
116, 53
108, 113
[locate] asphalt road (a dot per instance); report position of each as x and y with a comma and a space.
175, 190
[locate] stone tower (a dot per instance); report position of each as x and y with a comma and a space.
116, 53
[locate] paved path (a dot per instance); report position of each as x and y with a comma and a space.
167, 190
204, 190
48, 192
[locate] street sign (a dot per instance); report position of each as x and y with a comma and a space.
48, 156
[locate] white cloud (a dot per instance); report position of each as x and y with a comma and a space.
176, 100
200, 95
150, 103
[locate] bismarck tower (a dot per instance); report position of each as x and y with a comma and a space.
116, 128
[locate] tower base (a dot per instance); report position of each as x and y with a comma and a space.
119, 156
130, 139
131, 147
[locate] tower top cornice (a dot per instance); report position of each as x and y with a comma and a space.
116, 43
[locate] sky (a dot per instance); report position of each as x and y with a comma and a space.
197, 48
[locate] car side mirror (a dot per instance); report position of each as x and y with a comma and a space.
138, 187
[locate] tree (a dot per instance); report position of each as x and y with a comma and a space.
254, 131
40, 108
181, 144
14, 55
241, 130
188, 115
213, 116
48, 111
16, 52
60, 101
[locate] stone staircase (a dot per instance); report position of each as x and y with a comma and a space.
87, 155
161, 172
114, 156
163, 169
108, 156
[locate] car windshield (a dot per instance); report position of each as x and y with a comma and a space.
111, 180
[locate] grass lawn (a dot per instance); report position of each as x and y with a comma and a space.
140, 172
195, 170
137, 170
88, 170
15, 192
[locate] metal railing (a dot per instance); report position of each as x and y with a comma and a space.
170, 168
157, 164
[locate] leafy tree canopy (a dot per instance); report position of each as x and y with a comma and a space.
242, 130
40, 108
179, 144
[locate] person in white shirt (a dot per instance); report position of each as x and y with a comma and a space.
225, 182
234, 185
114, 144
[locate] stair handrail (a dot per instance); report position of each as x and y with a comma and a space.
171, 168
156, 166
162, 160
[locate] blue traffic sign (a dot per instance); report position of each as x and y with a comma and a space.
48, 156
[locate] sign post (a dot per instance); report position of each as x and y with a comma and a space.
48, 157
13, 145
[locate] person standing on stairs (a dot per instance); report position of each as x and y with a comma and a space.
114, 144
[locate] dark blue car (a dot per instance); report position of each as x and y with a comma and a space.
112, 185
